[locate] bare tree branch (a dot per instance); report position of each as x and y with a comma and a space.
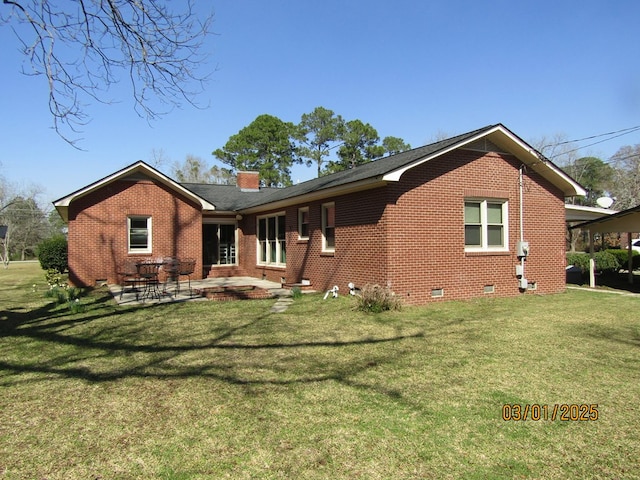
83, 47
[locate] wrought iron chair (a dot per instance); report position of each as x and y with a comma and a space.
170, 269
148, 271
128, 273
186, 267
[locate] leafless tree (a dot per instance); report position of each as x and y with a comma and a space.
195, 170
626, 163
83, 47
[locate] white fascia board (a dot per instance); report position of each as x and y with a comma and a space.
136, 167
396, 174
524, 152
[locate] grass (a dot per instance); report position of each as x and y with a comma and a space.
203, 390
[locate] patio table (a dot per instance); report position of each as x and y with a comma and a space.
148, 271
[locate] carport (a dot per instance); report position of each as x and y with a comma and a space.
623, 221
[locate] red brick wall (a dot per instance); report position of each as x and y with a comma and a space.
410, 234
98, 228
427, 226
359, 250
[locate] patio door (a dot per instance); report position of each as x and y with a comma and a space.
219, 244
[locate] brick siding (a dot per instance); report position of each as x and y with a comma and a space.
407, 234
98, 229
410, 234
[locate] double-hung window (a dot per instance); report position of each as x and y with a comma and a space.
139, 234
303, 223
328, 227
272, 244
485, 225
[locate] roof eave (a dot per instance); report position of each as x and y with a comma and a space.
62, 204
504, 138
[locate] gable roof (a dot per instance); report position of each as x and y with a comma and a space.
227, 198
138, 168
390, 169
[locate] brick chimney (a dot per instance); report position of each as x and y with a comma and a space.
248, 181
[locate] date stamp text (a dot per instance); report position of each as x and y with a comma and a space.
560, 411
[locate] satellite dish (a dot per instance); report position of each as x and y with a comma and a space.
604, 202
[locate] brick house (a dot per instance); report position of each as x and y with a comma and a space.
441, 221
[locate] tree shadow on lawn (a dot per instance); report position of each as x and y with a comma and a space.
626, 335
93, 359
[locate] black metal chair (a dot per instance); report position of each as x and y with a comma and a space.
128, 273
170, 268
186, 267
149, 274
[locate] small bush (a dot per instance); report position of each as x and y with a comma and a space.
55, 279
52, 254
622, 255
376, 299
580, 260
606, 262
296, 292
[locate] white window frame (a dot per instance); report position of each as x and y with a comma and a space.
325, 247
148, 248
301, 212
484, 226
280, 244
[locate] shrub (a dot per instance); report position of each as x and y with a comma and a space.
605, 261
376, 299
622, 255
580, 260
296, 292
52, 254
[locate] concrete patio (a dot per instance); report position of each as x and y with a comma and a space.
169, 294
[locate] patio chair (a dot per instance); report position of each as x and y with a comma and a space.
148, 271
186, 267
128, 274
170, 268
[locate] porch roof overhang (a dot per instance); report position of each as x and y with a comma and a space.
580, 213
140, 167
623, 221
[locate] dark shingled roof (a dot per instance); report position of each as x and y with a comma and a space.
231, 198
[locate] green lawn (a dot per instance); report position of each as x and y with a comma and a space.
229, 390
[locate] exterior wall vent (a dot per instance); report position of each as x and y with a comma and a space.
484, 145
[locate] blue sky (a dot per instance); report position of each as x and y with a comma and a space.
412, 69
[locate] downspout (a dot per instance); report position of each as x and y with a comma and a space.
522, 248
521, 186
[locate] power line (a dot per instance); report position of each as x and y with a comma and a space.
611, 135
595, 136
